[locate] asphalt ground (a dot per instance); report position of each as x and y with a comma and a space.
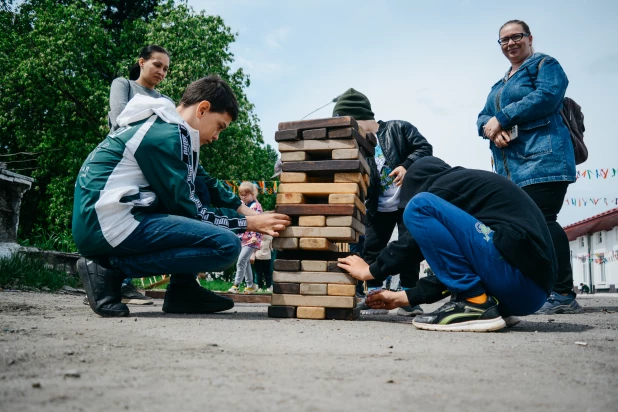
57, 355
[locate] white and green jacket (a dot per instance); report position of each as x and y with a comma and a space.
148, 165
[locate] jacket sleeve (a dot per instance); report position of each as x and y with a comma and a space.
417, 145
118, 99
483, 118
550, 86
220, 195
396, 257
167, 168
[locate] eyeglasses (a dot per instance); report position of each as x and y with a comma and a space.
516, 37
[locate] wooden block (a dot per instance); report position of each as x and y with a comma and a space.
314, 134
287, 288
361, 131
312, 221
340, 234
314, 277
347, 199
285, 243
345, 154
329, 122
291, 198
282, 135
367, 179
328, 210
317, 145
324, 166
320, 289
322, 244
293, 178
312, 255
360, 140
351, 178
294, 156
339, 290
281, 312
340, 133
323, 301
342, 314
364, 165
319, 189
313, 265
372, 139
346, 221
332, 266
286, 265
310, 312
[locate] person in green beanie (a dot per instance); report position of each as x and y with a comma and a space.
400, 144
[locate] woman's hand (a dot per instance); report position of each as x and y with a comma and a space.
398, 174
492, 128
385, 299
502, 139
268, 223
356, 267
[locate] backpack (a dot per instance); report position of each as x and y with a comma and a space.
573, 118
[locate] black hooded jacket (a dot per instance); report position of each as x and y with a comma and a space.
521, 235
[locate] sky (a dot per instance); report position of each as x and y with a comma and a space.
431, 63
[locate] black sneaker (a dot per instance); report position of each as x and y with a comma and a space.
102, 287
192, 298
131, 296
462, 316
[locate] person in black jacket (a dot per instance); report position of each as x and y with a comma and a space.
484, 238
399, 145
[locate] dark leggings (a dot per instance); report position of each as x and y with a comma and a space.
549, 197
264, 274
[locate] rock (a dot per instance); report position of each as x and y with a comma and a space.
71, 374
36, 385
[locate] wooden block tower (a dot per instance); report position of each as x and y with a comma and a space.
323, 186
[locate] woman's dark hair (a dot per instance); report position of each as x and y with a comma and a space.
216, 91
145, 54
520, 22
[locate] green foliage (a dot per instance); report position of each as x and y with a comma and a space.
46, 240
28, 271
57, 61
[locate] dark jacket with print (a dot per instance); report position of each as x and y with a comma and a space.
402, 145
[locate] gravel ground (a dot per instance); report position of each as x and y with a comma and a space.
57, 355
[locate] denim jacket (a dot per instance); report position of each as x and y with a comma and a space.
531, 99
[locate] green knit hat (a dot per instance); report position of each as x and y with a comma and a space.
355, 104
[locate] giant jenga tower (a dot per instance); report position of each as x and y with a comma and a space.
323, 186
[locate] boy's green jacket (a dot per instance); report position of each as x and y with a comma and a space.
149, 165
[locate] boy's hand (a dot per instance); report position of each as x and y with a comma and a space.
399, 174
356, 267
385, 299
268, 223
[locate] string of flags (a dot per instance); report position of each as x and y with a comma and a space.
596, 174
267, 187
579, 202
598, 258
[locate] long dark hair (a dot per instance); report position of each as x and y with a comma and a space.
145, 54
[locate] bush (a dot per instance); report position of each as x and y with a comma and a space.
24, 271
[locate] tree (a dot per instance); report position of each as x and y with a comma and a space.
58, 59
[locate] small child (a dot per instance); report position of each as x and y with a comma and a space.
250, 241
262, 264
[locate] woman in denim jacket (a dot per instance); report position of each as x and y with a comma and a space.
530, 143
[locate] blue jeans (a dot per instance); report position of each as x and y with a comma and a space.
461, 252
175, 245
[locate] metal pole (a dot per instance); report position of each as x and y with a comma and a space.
592, 288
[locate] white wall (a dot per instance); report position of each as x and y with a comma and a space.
607, 246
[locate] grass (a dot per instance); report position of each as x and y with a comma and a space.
28, 272
214, 285
42, 239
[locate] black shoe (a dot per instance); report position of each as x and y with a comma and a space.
131, 296
102, 287
462, 316
192, 298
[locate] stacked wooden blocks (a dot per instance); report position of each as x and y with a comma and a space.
323, 186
